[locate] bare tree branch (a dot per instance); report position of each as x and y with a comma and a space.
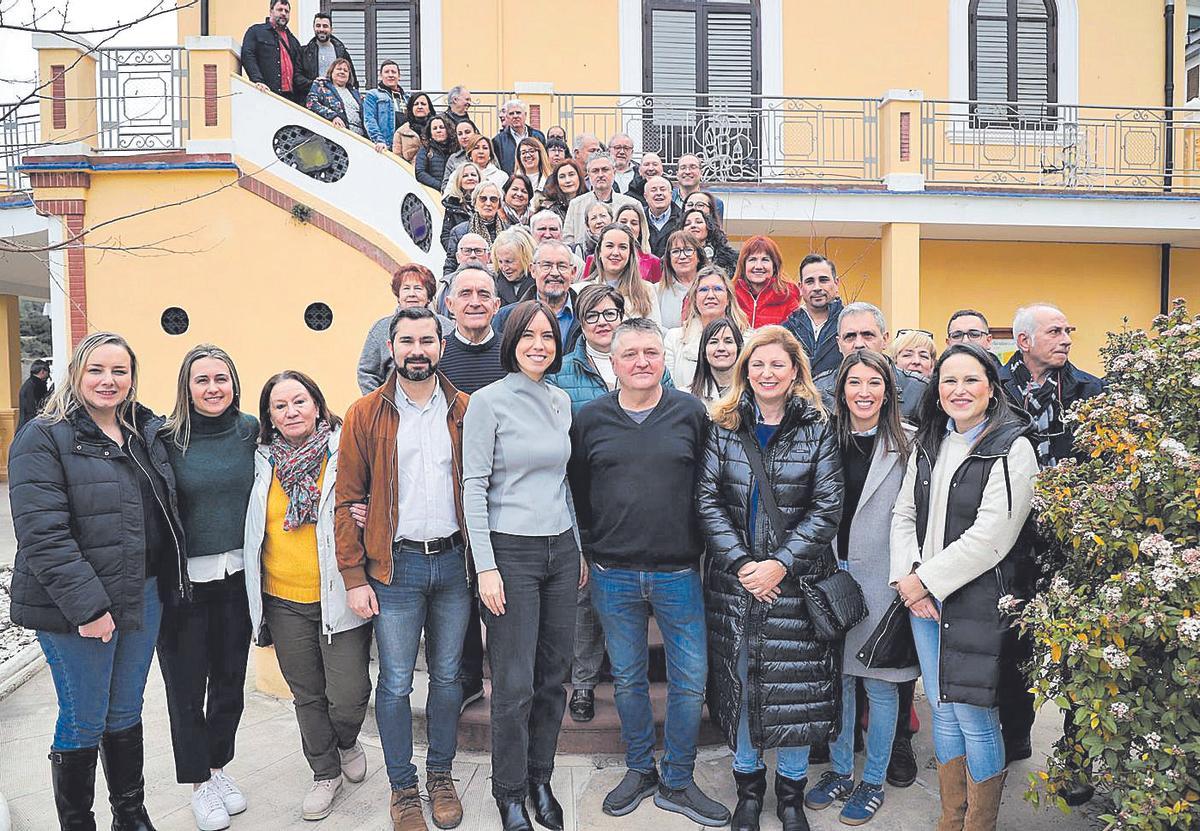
33, 27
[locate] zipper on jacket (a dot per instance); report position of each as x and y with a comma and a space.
166, 513
888, 617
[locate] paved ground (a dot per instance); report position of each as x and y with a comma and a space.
272, 771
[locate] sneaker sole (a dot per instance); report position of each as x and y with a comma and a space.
240, 810
668, 805
632, 806
313, 817
210, 826
819, 807
855, 822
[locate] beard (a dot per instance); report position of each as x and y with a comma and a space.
323, 37
420, 370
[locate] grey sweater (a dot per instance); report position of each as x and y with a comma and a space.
516, 445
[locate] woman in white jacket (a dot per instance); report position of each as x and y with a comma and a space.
297, 598
709, 297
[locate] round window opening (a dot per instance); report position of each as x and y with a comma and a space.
416, 220
174, 321
318, 317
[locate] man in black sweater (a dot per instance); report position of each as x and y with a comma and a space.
471, 359
633, 472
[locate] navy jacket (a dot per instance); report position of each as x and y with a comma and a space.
823, 353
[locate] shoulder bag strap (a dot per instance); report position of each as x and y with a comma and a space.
755, 458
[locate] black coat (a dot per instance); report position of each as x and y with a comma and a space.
32, 396
430, 165
794, 683
1076, 385
974, 632
454, 214
77, 511
310, 55
260, 60
658, 238
504, 145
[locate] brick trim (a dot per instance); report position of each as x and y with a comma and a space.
905, 136
319, 220
210, 95
59, 179
71, 211
58, 96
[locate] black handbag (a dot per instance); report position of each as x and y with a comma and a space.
891, 645
835, 603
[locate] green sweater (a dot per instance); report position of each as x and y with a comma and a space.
213, 479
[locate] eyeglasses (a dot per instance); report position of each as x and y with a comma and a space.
628, 147
969, 334
902, 332
495, 199
608, 315
683, 253
554, 268
473, 252
707, 289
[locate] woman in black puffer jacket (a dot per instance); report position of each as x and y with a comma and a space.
771, 683
99, 543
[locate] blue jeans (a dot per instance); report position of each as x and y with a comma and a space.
885, 707
624, 599
958, 729
100, 685
790, 762
430, 593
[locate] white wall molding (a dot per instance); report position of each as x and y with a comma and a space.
431, 45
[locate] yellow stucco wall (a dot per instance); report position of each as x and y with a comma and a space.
1185, 276
246, 288
1095, 285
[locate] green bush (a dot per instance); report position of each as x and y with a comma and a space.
1117, 630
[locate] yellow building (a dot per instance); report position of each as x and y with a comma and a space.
945, 153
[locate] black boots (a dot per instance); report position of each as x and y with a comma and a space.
73, 773
546, 809
751, 789
121, 754
513, 816
789, 793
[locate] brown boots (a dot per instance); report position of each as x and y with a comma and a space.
968, 805
443, 800
406, 810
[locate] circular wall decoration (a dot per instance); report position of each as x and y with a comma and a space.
311, 154
174, 321
318, 317
417, 222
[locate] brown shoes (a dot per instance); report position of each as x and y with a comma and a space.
406, 810
443, 800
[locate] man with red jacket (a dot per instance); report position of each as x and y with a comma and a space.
271, 55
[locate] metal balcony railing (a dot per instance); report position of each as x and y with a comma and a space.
18, 134
1058, 146
143, 98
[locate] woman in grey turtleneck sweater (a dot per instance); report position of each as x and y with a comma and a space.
521, 525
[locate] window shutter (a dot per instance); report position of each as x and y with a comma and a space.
673, 71
350, 27
1013, 55
730, 42
394, 41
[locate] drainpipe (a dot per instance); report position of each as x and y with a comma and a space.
1164, 278
204, 18
1169, 94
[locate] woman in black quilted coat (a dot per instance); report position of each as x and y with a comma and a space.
771, 683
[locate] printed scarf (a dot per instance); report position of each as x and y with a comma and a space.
298, 469
1042, 403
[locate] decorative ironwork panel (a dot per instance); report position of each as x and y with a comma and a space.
310, 153
175, 321
18, 135
143, 98
417, 222
318, 317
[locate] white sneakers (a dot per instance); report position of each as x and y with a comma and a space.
230, 793
354, 763
318, 803
208, 808
214, 802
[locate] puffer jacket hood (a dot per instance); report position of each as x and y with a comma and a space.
793, 685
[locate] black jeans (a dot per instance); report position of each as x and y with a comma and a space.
203, 648
470, 673
1015, 699
328, 678
530, 648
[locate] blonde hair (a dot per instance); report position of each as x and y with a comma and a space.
454, 186
179, 422
691, 317
68, 398
639, 302
726, 411
518, 238
911, 339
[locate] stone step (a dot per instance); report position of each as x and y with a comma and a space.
600, 735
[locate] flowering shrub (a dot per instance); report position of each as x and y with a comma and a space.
1117, 629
